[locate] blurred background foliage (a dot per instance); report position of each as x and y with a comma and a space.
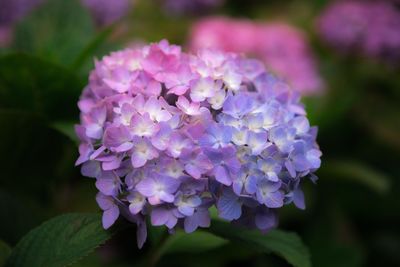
352, 216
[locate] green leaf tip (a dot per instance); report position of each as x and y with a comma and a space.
60, 241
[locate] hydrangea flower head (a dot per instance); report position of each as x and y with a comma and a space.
282, 47
167, 135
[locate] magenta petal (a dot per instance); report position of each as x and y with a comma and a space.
153, 88
178, 90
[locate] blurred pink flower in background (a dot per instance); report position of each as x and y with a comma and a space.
372, 28
282, 47
5, 36
217, 32
285, 49
106, 12
10, 12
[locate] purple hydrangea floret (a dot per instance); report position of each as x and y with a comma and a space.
169, 135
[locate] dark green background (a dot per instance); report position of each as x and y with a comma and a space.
352, 216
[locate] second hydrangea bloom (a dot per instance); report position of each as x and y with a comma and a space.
369, 28
168, 135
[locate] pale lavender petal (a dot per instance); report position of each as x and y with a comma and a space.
200, 218
298, 199
222, 176
91, 169
138, 161
109, 186
265, 220
112, 164
147, 187
159, 216
274, 199
251, 184
166, 197
110, 216
104, 202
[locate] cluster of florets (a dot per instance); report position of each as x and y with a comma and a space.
168, 135
282, 47
371, 28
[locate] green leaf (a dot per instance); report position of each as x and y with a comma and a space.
5, 251
57, 30
198, 241
38, 87
285, 244
96, 47
59, 241
356, 171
